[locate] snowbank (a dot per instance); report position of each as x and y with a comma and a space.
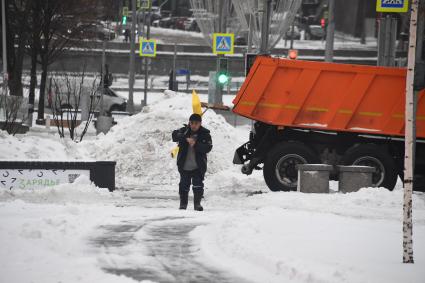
37, 146
81, 191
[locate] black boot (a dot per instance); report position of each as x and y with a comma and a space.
184, 198
197, 197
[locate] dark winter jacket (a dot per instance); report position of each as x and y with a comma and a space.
202, 146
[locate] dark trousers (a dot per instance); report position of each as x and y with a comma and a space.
195, 177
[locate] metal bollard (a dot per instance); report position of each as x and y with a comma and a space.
47, 124
313, 178
353, 178
104, 124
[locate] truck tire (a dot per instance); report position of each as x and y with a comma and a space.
372, 155
279, 171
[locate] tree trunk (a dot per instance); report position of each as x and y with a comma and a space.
15, 80
44, 65
33, 84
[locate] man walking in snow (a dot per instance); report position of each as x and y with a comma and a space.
194, 144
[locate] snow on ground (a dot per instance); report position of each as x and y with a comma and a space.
53, 234
339, 238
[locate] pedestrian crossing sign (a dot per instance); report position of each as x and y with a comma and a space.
147, 47
394, 6
143, 4
223, 43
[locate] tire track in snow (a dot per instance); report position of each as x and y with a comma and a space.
172, 252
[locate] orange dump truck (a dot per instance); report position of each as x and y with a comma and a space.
313, 112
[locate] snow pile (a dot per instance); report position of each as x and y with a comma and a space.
141, 144
373, 203
81, 191
43, 146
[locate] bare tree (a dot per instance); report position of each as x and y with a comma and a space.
14, 113
67, 100
17, 12
61, 28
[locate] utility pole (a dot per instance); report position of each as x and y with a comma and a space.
174, 67
221, 28
363, 21
3, 24
329, 49
102, 78
291, 45
410, 138
251, 30
265, 23
130, 104
148, 33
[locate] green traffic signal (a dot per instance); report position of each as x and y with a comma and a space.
124, 20
223, 78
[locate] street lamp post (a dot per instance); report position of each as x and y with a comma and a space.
3, 24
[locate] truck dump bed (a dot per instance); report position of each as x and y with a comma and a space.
327, 96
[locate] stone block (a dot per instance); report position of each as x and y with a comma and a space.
353, 178
314, 178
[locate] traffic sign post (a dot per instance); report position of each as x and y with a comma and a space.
223, 43
387, 33
147, 47
392, 6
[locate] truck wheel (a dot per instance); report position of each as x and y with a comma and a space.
280, 167
372, 155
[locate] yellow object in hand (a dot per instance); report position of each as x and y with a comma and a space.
196, 103
174, 152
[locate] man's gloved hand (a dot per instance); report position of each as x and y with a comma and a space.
191, 141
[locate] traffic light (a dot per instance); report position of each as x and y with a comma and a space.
223, 73
124, 15
323, 22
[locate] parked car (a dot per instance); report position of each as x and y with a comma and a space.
97, 31
155, 13
167, 22
180, 23
113, 102
315, 32
241, 40
60, 97
191, 25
